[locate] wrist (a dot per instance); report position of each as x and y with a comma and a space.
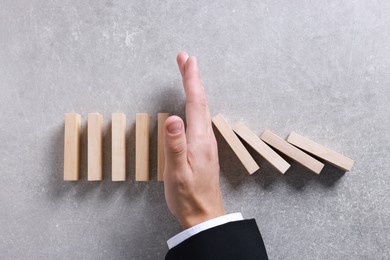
195, 219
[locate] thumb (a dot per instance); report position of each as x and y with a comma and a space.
175, 143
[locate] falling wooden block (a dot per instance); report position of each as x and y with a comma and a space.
95, 147
320, 151
160, 145
142, 147
264, 150
291, 151
235, 143
118, 130
72, 147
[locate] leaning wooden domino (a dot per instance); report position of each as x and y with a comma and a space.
95, 147
118, 130
235, 143
160, 145
291, 151
263, 149
72, 147
320, 151
142, 147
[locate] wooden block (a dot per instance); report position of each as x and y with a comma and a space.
264, 150
118, 130
235, 143
320, 151
72, 147
95, 147
291, 151
160, 146
142, 147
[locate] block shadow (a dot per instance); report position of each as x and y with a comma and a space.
296, 176
81, 189
57, 187
106, 189
55, 183
153, 148
231, 167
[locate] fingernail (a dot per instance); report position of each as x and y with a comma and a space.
195, 61
174, 128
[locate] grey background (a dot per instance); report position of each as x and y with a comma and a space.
320, 68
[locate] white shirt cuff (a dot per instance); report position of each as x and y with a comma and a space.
177, 239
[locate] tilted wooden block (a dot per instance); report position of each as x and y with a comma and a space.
118, 130
320, 151
235, 143
95, 147
291, 151
72, 147
263, 149
160, 145
142, 147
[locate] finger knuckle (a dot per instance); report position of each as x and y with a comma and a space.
177, 148
204, 151
199, 100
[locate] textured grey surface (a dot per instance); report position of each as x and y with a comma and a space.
320, 68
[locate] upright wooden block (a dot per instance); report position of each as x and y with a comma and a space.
235, 143
264, 150
160, 146
291, 151
95, 147
320, 151
142, 147
118, 130
72, 147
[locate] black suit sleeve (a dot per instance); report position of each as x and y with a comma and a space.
234, 240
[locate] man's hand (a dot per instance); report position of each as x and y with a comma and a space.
191, 175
